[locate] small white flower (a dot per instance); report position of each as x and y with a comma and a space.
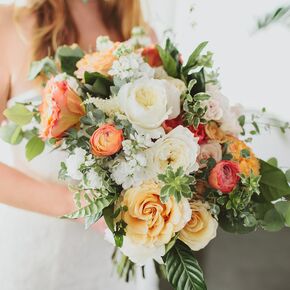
72, 82
129, 67
74, 162
104, 43
109, 106
93, 180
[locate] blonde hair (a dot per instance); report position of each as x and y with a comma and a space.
54, 24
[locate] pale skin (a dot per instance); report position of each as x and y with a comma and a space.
17, 189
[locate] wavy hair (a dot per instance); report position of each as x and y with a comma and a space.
55, 26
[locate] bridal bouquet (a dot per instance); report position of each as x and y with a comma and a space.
154, 148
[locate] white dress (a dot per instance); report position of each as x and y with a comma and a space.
39, 252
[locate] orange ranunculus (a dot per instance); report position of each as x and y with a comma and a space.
224, 176
100, 61
61, 109
151, 56
106, 141
247, 163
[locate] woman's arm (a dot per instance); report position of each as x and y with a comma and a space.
21, 191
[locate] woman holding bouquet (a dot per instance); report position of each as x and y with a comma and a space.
48, 253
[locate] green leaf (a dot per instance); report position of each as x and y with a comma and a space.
19, 114
34, 147
273, 183
69, 56
288, 175
273, 221
245, 153
283, 207
99, 83
46, 65
169, 63
193, 58
11, 133
182, 269
273, 161
108, 216
201, 96
94, 208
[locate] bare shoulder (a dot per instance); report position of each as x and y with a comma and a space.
6, 16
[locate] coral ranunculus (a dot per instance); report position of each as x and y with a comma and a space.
151, 56
61, 109
106, 140
224, 176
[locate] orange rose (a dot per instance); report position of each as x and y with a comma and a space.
224, 176
214, 132
106, 141
61, 109
247, 163
151, 56
100, 61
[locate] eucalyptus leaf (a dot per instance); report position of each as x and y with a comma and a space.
19, 114
34, 147
273, 221
11, 133
45, 65
182, 269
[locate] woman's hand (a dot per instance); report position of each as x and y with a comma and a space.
21, 191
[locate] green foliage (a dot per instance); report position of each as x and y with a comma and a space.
98, 84
68, 57
176, 184
125, 268
46, 66
273, 183
273, 161
182, 269
287, 174
193, 108
193, 60
11, 133
108, 213
19, 114
34, 147
169, 63
94, 208
283, 207
273, 221
280, 15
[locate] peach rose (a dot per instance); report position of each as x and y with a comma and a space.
224, 176
214, 132
61, 109
106, 140
100, 61
151, 56
212, 149
150, 222
201, 228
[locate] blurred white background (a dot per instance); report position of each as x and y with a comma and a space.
254, 67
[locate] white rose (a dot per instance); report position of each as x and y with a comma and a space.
201, 229
212, 149
137, 253
147, 103
179, 148
179, 84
